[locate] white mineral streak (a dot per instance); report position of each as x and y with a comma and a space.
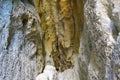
50, 73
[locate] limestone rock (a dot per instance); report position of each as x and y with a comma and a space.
68, 74
49, 73
60, 39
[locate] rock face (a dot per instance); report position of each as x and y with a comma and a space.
20, 42
49, 73
59, 39
101, 53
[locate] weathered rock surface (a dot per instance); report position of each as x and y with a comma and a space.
49, 73
59, 39
19, 41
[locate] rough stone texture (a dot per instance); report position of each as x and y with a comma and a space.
100, 54
49, 73
19, 41
59, 39
58, 19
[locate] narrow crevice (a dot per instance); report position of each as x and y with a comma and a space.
24, 19
11, 33
65, 31
114, 27
28, 1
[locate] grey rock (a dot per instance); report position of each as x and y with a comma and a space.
22, 50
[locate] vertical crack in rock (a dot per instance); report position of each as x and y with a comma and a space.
61, 30
11, 33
